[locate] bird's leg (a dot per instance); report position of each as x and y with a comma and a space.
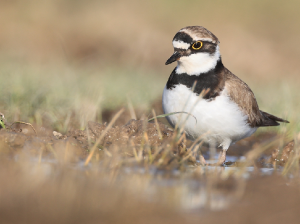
202, 160
222, 157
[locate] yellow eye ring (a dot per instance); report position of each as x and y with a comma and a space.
197, 45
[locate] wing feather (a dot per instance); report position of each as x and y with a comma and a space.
243, 96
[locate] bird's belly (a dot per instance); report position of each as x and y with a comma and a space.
218, 120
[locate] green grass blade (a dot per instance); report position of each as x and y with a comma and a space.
2, 124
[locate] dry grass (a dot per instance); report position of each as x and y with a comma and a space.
51, 184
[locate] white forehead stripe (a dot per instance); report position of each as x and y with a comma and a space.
180, 44
204, 39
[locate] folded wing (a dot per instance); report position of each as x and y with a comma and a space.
243, 96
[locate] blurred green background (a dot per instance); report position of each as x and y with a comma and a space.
64, 62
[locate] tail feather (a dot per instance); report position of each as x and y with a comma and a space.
271, 120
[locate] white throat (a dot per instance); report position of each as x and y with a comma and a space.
195, 64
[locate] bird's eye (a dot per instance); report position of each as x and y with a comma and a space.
197, 45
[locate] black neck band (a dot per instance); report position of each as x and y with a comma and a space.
208, 80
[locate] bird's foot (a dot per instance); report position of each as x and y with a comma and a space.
202, 160
222, 158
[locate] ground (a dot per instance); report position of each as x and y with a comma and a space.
141, 172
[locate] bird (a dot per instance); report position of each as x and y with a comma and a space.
204, 99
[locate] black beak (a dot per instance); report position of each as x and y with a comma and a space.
173, 58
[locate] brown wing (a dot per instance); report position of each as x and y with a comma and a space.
240, 93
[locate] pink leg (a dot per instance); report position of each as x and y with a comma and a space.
222, 158
202, 160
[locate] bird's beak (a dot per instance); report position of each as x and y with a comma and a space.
176, 56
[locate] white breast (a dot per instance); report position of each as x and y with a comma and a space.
220, 120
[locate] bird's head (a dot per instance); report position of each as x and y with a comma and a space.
196, 50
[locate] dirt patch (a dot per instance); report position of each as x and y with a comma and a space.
87, 196
24, 136
135, 132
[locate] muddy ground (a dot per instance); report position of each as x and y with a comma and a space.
25, 136
24, 198
269, 199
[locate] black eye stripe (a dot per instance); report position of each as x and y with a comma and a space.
197, 44
204, 43
207, 47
